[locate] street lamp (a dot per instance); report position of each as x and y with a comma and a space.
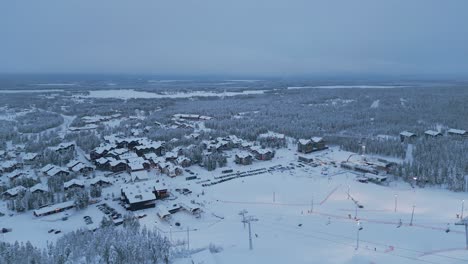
359, 228
462, 209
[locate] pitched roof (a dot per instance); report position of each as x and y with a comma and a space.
72, 182
39, 187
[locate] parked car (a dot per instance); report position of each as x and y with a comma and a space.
57, 232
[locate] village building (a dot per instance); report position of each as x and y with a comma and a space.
262, 154
64, 147
14, 192
47, 168
171, 170
39, 188
305, 146
128, 156
100, 181
310, 145
406, 136
142, 195
57, 171
15, 175
243, 158
30, 158
101, 151
162, 212
432, 134
118, 165
116, 153
137, 164
148, 146
9, 166
103, 163
457, 132
53, 209
136, 176
72, 184
171, 156
183, 161
82, 168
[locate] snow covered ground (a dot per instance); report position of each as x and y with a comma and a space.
304, 216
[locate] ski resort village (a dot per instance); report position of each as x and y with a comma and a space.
221, 198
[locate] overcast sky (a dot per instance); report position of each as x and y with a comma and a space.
235, 37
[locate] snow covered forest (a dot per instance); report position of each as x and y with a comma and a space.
106, 245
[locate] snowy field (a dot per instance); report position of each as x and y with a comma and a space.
304, 214
129, 94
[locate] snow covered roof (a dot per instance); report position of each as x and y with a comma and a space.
29, 156
243, 155
432, 133
114, 163
182, 159
140, 192
47, 168
55, 170
304, 141
96, 180
78, 167
139, 175
317, 139
62, 146
162, 211
171, 155
118, 151
54, 208
73, 163
407, 134
456, 131
127, 156
38, 187
103, 148
72, 182
15, 174
15, 191
150, 156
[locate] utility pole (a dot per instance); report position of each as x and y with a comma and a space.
243, 213
396, 198
348, 190
188, 238
355, 212
465, 223
248, 220
170, 232
412, 215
